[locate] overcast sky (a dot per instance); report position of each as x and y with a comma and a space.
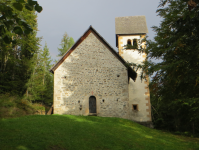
75, 17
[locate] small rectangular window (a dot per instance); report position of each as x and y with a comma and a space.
135, 107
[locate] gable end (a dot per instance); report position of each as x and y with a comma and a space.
132, 74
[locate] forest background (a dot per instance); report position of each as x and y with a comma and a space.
24, 67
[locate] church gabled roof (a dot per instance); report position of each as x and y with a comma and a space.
131, 25
131, 73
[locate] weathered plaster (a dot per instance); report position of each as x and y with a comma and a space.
138, 90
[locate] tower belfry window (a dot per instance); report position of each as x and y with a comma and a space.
129, 42
134, 41
135, 44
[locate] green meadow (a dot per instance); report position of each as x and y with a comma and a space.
67, 132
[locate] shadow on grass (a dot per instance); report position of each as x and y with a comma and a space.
69, 132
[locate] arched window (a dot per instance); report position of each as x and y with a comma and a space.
129, 42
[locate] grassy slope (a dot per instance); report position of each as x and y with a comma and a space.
66, 132
15, 106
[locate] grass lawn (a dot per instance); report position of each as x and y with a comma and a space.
67, 132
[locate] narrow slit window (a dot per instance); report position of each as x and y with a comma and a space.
135, 107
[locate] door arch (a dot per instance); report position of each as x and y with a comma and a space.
92, 104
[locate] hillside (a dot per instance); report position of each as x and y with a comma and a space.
15, 106
67, 132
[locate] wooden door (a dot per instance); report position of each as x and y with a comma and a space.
92, 104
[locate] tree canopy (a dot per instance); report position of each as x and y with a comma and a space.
175, 79
11, 22
15, 56
24, 68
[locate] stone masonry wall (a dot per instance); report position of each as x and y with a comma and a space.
91, 70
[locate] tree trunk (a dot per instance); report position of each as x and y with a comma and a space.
13, 71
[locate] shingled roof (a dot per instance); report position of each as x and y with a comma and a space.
130, 25
131, 73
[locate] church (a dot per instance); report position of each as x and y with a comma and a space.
92, 78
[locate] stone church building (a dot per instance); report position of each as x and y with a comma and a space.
93, 79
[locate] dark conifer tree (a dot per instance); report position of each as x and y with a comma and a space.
40, 84
66, 43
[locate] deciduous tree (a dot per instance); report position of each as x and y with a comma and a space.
175, 79
12, 22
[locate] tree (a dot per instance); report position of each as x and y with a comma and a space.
175, 82
66, 43
40, 84
11, 22
15, 57
47, 80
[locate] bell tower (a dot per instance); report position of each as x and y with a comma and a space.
129, 34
